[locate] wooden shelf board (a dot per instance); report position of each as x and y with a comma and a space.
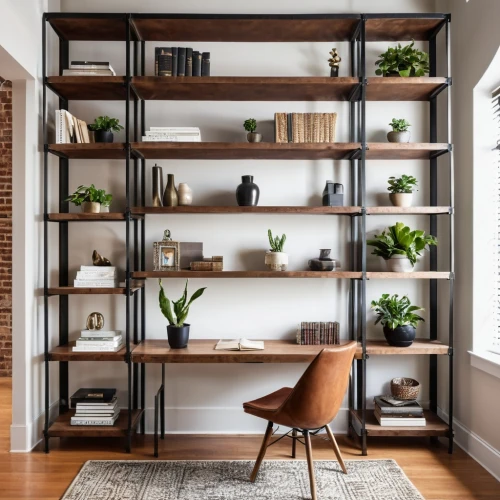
91, 28
419, 346
246, 210
111, 216
94, 151
62, 426
406, 210
224, 88
404, 151
247, 274
409, 276
89, 88
244, 150
402, 89
399, 30
71, 290
65, 353
435, 426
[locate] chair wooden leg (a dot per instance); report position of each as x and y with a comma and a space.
336, 448
310, 464
262, 452
294, 442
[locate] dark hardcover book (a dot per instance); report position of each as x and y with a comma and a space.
97, 395
189, 62
157, 53
90, 63
386, 408
175, 52
205, 64
196, 63
165, 62
289, 127
181, 61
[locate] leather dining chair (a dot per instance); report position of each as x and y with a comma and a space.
310, 406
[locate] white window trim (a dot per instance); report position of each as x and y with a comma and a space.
486, 361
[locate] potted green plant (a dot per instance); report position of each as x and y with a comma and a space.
275, 258
401, 190
90, 199
250, 126
177, 329
400, 247
103, 128
400, 132
403, 61
397, 316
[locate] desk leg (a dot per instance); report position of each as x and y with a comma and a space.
162, 401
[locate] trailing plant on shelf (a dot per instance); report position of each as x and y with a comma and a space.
103, 128
177, 329
403, 61
90, 198
398, 317
400, 132
275, 258
250, 126
401, 190
400, 247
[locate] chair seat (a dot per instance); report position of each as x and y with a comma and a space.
268, 404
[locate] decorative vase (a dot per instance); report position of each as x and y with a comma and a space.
276, 261
402, 336
178, 336
333, 194
170, 197
254, 137
401, 199
157, 186
104, 209
103, 136
247, 193
91, 207
185, 194
399, 264
398, 136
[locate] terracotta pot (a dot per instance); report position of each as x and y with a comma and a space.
401, 199
254, 137
399, 264
91, 207
276, 261
398, 136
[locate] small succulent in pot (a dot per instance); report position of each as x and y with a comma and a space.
178, 329
403, 61
401, 190
250, 126
103, 128
397, 316
90, 198
400, 247
400, 132
276, 259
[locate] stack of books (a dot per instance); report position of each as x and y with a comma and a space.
397, 413
96, 277
89, 68
304, 127
70, 129
172, 134
318, 333
95, 407
215, 263
99, 341
181, 61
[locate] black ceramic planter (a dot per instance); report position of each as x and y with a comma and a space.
103, 136
178, 336
247, 193
402, 336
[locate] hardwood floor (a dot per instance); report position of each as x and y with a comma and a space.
36, 475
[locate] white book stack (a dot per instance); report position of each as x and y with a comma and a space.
90, 413
172, 134
69, 128
89, 68
99, 341
96, 277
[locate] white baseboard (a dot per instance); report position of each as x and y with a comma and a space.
475, 446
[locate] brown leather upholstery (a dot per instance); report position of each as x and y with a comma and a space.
317, 396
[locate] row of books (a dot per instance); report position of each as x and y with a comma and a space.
95, 407
96, 277
89, 68
99, 341
318, 333
397, 413
172, 134
70, 129
304, 127
181, 61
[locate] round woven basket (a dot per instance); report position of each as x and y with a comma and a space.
404, 388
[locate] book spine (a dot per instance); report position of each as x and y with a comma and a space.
97, 348
165, 62
98, 343
104, 340
289, 127
157, 53
93, 284
181, 61
86, 421
58, 127
205, 64
89, 63
97, 268
196, 63
189, 62
175, 53
74, 72
169, 129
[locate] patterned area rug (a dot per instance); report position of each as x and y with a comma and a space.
203, 480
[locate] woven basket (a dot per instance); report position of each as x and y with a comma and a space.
404, 388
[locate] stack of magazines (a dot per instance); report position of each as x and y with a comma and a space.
172, 134
89, 68
96, 277
99, 341
95, 407
393, 412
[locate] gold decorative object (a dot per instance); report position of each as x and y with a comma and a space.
334, 62
99, 260
95, 321
166, 253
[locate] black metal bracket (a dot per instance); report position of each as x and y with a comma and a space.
450, 351
354, 94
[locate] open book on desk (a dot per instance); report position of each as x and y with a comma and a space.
240, 345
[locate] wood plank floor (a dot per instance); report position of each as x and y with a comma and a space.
38, 476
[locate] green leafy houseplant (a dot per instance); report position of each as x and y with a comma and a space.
277, 243
405, 184
250, 125
403, 61
90, 194
106, 124
399, 125
401, 240
394, 312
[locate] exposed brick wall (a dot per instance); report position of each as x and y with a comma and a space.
6, 230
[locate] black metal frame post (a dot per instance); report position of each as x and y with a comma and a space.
135, 367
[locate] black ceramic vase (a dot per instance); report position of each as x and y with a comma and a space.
402, 336
178, 336
247, 193
103, 136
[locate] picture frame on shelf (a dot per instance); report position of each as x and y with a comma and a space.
166, 254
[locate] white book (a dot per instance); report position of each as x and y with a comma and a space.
240, 345
93, 72
99, 343
401, 422
97, 412
95, 284
97, 268
168, 129
82, 275
89, 405
90, 67
104, 348
146, 138
94, 420
155, 133
101, 333
59, 127
100, 340
69, 127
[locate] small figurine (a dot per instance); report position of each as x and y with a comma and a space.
334, 62
95, 321
99, 260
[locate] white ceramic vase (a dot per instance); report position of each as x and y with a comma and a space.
91, 207
398, 136
401, 199
104, 210
185, 194
276, 261
399, 264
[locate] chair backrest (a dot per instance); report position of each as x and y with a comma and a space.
317, 396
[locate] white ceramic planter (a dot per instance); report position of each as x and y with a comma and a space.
399, 264
401, 199
276, 261
398, 136
91, 207
185, 194
104, 210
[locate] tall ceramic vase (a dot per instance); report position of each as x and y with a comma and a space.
185, 194
247, 193
157, 186
170, 197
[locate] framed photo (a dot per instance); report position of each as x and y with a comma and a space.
166, 255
